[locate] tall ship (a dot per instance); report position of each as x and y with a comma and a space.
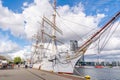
49, 58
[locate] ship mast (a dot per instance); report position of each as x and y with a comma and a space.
54, 30
42, 40
42, 31
54, 47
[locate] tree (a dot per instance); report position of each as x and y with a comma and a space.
17, 60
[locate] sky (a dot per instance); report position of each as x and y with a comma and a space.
19, 23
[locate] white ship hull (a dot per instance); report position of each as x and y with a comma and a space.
58, 67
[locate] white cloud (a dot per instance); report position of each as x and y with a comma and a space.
20, 53
74, 21
106, 9
11, 21
33, 14
25, 4
7, 46
24, 53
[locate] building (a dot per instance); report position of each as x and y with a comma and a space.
73, 45
2, 57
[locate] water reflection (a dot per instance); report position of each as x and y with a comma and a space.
100, 74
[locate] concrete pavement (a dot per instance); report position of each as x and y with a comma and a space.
30, 74
27, 74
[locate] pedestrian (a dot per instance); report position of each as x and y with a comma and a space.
18, 65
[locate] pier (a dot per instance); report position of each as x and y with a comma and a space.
33, 74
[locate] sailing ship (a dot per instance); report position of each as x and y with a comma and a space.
62, 62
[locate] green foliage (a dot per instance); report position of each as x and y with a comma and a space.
10, 62
17, 60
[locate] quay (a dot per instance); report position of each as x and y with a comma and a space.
33, 74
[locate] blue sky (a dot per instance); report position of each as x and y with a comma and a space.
15, 5
21, 41
91, 8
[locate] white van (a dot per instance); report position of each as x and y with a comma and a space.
3, 63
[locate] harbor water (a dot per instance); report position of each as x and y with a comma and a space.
100, 73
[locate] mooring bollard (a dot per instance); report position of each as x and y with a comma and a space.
87, 77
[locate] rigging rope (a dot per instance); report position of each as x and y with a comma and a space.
108, 37
71, 30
